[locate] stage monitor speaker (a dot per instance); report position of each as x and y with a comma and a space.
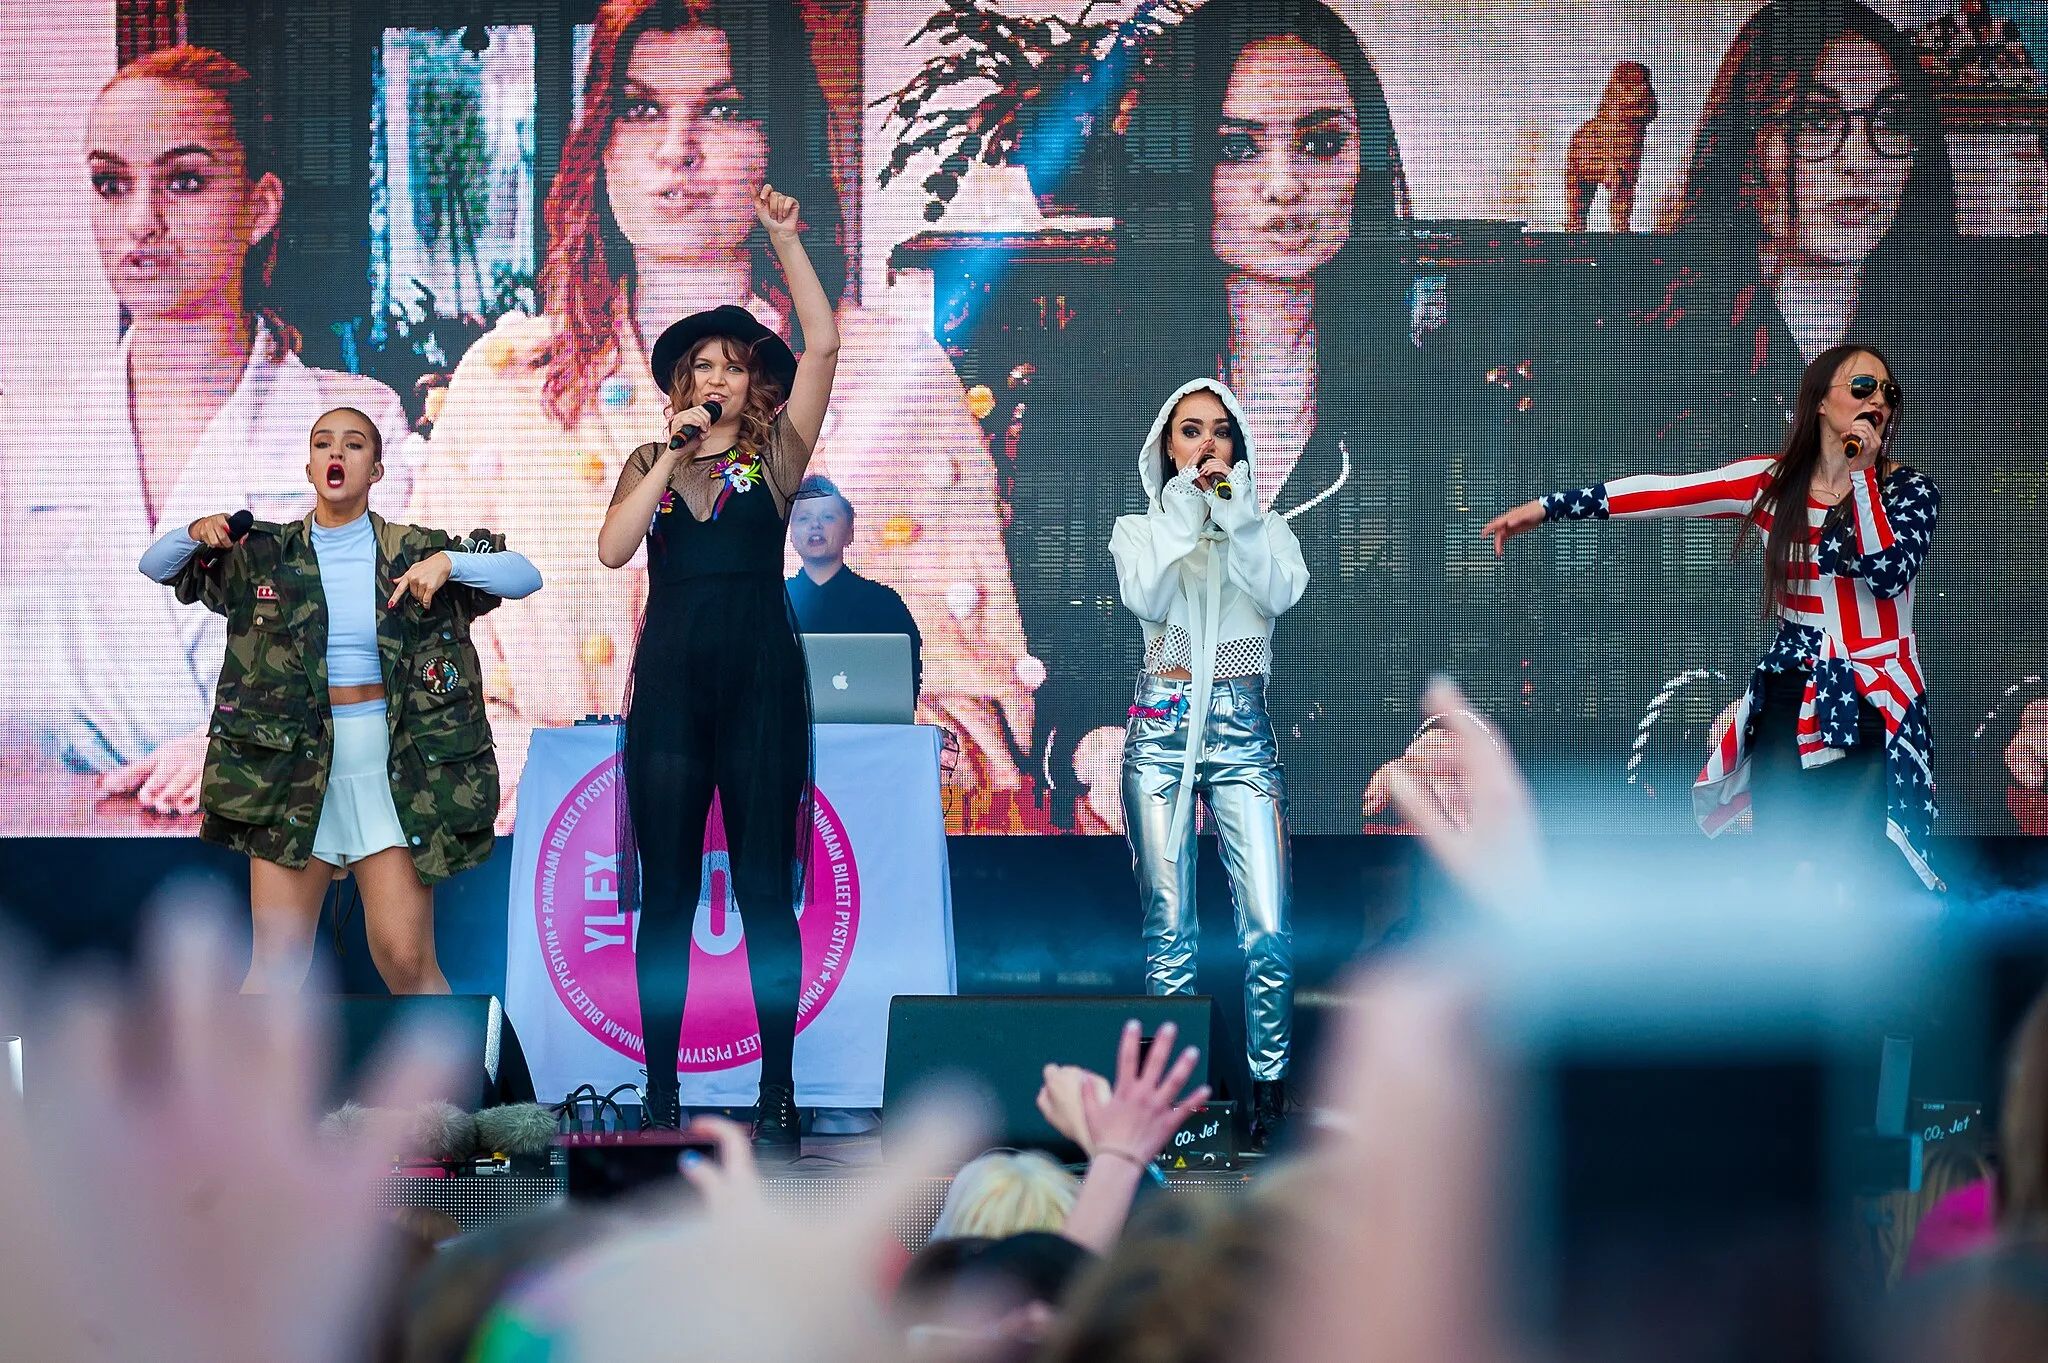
499, 1074
1001, 1043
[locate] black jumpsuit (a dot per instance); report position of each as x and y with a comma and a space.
718, 702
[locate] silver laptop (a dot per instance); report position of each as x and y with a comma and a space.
860, 678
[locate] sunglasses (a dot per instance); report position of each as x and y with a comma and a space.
1863, 385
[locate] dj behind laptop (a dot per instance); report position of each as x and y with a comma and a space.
862, 641
860, 678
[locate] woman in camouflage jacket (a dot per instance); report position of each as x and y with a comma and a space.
348, 727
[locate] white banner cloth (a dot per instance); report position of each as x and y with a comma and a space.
877, 921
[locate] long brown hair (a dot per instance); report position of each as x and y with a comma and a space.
1167, 198
202, 68
1770, 62
589, 267
764, 392
1784, 501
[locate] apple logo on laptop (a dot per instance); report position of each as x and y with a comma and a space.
838, 681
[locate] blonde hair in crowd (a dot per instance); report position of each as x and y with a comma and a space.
1004, 1193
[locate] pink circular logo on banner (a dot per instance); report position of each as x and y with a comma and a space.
588, 939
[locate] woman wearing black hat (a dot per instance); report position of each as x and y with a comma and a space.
717, 700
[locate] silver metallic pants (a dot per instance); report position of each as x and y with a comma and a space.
1238, 777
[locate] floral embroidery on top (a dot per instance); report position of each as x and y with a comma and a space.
733, 475
737, 475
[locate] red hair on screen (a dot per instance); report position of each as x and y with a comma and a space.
588, 272
203, 69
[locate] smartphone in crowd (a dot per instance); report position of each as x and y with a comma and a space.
603, 1166
1693, 1102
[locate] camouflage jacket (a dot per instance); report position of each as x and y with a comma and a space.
271, 736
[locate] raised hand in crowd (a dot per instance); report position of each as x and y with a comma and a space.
1061, 1101
1400, 1229
730, 1184
751, 1281
1488, 842
39, 1299
175, 1178
1430, 765
1129, 1128
1402, 1221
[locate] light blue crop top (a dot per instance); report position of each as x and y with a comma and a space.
348, 574
347, 555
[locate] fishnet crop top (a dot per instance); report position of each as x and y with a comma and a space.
696, 481
1248, 657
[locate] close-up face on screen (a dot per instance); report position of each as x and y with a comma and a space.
1448, 258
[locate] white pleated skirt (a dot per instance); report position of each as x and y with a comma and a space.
358, 817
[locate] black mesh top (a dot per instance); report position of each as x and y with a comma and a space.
709, 525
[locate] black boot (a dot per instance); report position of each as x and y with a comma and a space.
1269, 1113
775, 1121
661, 1107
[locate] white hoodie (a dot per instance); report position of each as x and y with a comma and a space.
1218, 571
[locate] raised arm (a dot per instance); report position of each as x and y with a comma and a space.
1722, 492
811, 391
1129, 1129
1148, 548
1893, 527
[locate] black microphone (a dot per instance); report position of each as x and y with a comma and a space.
1852, 443
238, 529
675, 442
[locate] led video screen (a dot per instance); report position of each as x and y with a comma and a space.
1450, 256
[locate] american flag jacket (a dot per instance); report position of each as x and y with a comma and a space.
1846, 621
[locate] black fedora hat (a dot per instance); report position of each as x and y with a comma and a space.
771, 350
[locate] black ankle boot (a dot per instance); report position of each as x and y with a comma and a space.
661, 1107
775, 1120
1269, 1112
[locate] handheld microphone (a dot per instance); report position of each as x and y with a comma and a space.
1854, 441
675, 442
238, 529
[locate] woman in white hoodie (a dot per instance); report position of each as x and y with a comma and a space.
1207, 572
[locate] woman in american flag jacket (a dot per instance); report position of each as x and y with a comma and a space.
1832, 732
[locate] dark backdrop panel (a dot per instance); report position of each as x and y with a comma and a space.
1031, 916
